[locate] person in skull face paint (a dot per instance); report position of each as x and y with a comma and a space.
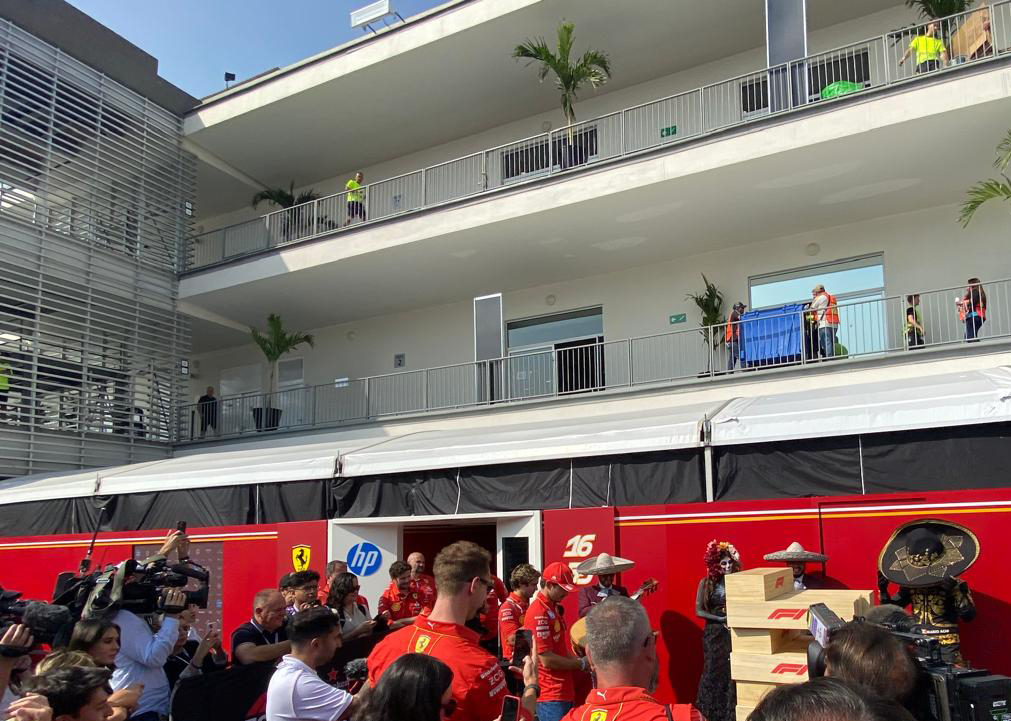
717, 695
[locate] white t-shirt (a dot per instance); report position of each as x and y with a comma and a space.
297, 693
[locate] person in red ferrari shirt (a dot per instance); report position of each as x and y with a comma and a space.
558, 663
421, 582
622, 651
399, 603
512, 612
463, 580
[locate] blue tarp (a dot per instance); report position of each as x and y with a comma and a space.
772, 335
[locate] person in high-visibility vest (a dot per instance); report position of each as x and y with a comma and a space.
930, 51
5, 384
355, 198
733, 334
826, 314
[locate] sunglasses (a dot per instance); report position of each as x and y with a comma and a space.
449, 707
652, 635
490, 585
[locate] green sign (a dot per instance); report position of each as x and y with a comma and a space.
678, 318
669, 132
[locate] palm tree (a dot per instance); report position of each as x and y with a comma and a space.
710, 305
276, 342
939, 8
284, 198
594, 67
991, 189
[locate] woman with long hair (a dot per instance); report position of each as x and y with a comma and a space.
97, 637
972, 308
717, 696
415, 687
343, 599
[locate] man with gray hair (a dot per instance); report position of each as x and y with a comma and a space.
621, 648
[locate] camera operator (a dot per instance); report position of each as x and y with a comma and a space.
142, 654
868, 655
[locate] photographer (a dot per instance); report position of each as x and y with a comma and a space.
142, 654
869, 656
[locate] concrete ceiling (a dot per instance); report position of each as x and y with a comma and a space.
785, 194
467, 83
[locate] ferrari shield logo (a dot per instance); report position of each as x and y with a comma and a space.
598, 715
422, 643
300, 557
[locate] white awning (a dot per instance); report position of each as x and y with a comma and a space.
653, 430
953, 399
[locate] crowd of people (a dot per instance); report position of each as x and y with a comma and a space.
451, 644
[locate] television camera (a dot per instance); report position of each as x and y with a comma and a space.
944, 691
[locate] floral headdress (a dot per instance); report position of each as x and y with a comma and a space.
716, 550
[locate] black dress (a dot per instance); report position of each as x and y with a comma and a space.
717, 695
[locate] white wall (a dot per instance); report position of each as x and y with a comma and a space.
922, 250
593, 105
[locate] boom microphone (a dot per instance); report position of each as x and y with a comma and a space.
47, 621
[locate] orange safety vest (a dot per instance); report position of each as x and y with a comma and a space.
733, 329
832, 312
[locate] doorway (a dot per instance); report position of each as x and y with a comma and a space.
556, 354
429, 540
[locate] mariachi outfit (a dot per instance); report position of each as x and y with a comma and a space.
604, 564
795, 553
716, 698
924, 558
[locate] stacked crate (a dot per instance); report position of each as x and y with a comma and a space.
768, 623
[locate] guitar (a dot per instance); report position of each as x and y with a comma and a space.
647, 587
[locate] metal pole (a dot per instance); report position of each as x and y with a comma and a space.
424, 193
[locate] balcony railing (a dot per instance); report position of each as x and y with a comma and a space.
876, 327
975, 36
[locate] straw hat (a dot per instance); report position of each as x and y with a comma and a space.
795, 553
604, 564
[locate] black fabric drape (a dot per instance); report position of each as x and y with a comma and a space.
225, 506
37, 518
938, 459
514, 486
369, 496
293, 501
787, 469
641, 479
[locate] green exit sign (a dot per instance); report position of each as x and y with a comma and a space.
678, 318
669, 132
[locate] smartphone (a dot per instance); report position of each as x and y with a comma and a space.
510, 709
521, 647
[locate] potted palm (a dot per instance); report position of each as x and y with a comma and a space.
291, 223
593, 68
710, 305
933, 9
992, 189
274, 344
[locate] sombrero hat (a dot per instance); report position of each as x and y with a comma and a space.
605, 563
925, 552
795, 553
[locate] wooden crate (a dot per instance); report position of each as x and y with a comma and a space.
743, 712
758, 584
761, 640
775, 668
789, 611
749, 693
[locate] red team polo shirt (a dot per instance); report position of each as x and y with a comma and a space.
628, 703
479, 684
511, 615
552, 634
424, 584
407, 605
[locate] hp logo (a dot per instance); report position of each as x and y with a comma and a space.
364, 559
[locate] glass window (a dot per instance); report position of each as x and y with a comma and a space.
550, 329
845, 279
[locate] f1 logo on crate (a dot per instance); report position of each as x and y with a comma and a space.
364, 559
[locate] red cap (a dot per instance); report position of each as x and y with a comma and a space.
559, 573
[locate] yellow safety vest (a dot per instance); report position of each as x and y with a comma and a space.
926, 48
351, 187
5, 383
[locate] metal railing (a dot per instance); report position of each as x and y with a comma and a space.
870, 327
973, 36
